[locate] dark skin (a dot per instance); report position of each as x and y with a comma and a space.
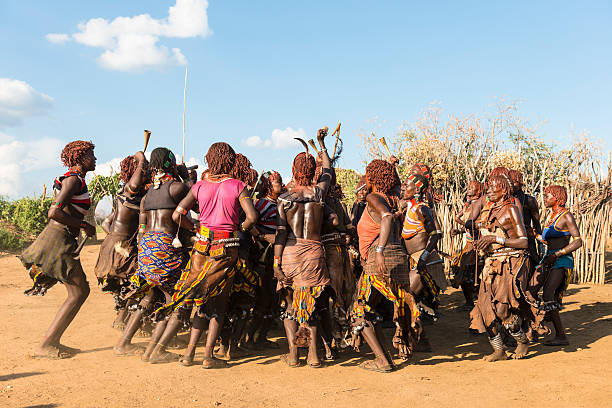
466, 288
124, 220
556, 276
302, 220
423, 240
214, 275
478, 204
379, 210
155, 221
512, 222
530, 208
265, 295
76, 285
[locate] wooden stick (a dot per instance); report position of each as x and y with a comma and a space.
337, 133
184, 109
257, 183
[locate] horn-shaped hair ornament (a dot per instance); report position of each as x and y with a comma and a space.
303, 144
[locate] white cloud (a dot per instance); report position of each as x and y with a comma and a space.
57, 38
18, 158
108, 168
19, 100
131, 43
280, 139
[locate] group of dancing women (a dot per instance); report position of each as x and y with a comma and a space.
231, 253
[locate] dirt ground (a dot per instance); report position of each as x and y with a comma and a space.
453, 375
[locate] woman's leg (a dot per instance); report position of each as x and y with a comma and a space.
78, 291
200, 323
555, 279
124, 345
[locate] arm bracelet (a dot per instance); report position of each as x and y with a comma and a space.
380, 249
500, 240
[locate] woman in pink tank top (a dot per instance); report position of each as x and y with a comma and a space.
210, 271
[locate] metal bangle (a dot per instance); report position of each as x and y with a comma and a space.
500, 240
380, 249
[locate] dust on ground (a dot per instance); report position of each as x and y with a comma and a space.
453, 375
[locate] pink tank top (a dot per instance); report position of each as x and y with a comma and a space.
218, 202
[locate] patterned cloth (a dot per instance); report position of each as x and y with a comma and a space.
159, 263
199, 298
79, 201
304, 299
392, 292
267, 210
246, 280
189, 289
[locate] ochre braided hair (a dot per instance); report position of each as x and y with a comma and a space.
381, 174
73, 152
516, 177
220, 158
559, 192
303, 169
242, 169
128, 165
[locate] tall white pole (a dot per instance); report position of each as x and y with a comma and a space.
184, 109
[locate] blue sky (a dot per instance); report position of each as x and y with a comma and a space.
262, 72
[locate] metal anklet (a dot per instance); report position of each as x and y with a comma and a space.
497, 342
520, 337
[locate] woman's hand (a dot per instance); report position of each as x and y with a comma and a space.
89, 229
484, 242
381, 269
550, 259
280, 275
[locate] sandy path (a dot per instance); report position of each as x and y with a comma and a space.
454, 375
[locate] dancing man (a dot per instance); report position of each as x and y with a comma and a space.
51, 258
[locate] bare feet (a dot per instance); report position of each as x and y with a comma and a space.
118, 325
162, 357
497, 355
290, 361
211, 362
313, 359
188, 357
521, 351
127, 350
50, 352
378, 365
222, 351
